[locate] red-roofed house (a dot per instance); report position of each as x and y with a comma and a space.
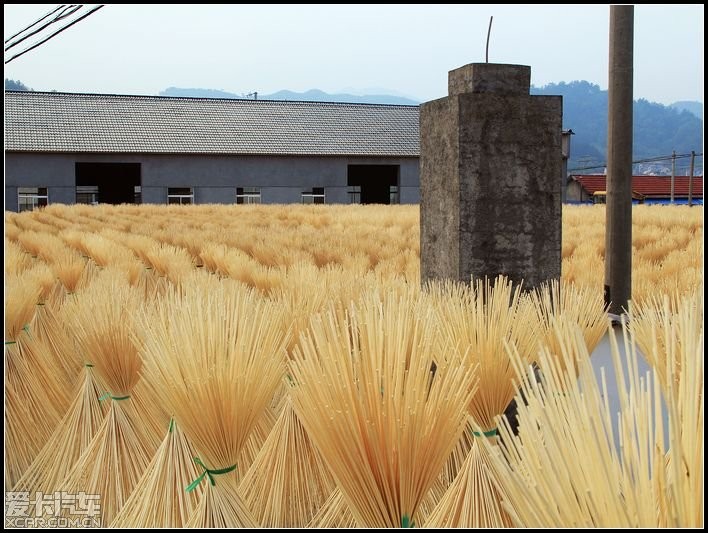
647, 189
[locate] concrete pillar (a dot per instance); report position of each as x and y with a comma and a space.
618, 232
490, 158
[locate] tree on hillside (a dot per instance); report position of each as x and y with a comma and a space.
658, 129
15, 85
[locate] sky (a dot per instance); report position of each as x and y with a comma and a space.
364, 49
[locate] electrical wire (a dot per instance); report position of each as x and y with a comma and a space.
54, 34
70, 10
647, 160
34, 23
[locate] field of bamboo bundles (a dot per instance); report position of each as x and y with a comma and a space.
280, 366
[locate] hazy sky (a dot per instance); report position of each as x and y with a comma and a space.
143, 49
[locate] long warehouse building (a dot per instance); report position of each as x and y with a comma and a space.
98, 148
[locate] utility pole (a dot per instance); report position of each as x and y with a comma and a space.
673, 175
618, 232
690, 179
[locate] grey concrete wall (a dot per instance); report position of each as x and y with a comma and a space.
490, 193
281, 195
410, 173
337, 195
11, 198
154, 195
410, 195
574, 192
215, 178
214, 195
62, 195
237, 171
39, 170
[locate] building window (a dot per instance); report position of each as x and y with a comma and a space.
138, 194
87, 194
180, 195
355, 194
31, 198
248, 195
393, 197
314, 196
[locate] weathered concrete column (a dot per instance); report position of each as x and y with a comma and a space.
490, 158
618, 229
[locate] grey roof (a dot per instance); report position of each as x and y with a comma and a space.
65, 122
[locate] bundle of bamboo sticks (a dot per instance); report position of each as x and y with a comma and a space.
122, 447
383, 420
215, 362
476, 323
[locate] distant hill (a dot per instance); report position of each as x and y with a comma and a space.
658, 129
313, 95
198, 93
15, 85
691, 106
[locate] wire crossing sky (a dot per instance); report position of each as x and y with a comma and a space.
361, 49
46, 22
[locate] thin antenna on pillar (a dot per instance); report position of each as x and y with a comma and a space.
489, 32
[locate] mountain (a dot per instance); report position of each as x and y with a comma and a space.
198, 93
377, 90
658, 129
691, 106
15, 85
313, 95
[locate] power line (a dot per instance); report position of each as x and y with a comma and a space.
67, 11
34, 23
647, 160
91, 12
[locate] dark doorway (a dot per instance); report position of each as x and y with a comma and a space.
373, 184
114, 183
